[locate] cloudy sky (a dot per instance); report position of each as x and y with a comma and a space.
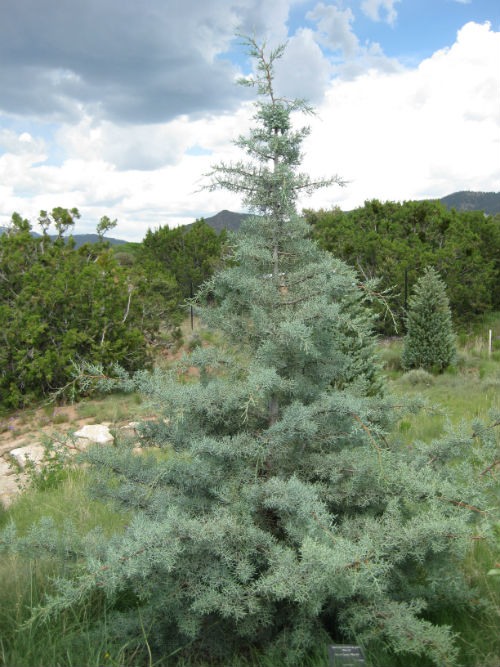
119, 107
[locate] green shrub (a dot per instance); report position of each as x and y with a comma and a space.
391, 358
59, 305
124, 258
194, 342
417, 376
52, 470
395, 241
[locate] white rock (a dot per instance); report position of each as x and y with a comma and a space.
132, 425
34, 453
5, 447
9, 487
98, 433
81, 444
6, 468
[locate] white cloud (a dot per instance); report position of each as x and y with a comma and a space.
414, 134
139, 147
22, 144
90, 179
303, 71
335, 29
369, 58
335, 32
408, 134
372, 9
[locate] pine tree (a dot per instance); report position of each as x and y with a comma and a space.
284, 516
429, 342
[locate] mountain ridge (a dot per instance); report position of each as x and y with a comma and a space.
463, 200
468, 200
80, 239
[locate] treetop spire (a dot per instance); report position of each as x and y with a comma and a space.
269, 182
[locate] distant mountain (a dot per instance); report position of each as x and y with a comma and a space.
231, 221
223, 219
489, 202
80, 239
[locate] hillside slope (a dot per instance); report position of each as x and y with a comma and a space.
225, 219
489, 202
80, 239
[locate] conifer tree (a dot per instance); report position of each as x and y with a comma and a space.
284, 518
430, 341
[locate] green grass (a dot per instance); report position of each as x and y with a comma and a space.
67, 500
479, 640
480, 326
468, 391
78, 636
68, 640
117, 407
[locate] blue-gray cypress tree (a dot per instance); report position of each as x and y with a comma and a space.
285, 517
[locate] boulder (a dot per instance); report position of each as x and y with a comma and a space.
98, 433
80, 445
10, 486
21, 455
6, 468
6, 446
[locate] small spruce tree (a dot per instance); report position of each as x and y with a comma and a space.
284, 518
430, 341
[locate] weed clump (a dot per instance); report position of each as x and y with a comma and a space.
418, 376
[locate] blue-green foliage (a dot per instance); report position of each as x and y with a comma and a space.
283, 518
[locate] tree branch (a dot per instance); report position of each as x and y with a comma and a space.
458, 503
130, 290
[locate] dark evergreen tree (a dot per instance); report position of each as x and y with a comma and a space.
283, 517
58, 305
395, 241
189, 254
430, 341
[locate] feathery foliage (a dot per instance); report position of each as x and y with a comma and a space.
283, 517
